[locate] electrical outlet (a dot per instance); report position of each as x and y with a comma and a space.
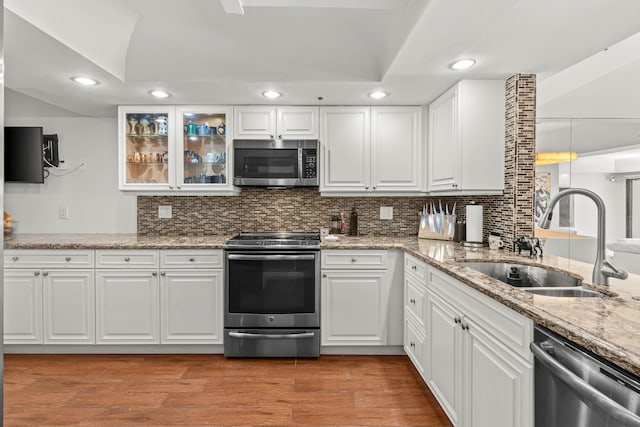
164, 212
386, 212
63, 212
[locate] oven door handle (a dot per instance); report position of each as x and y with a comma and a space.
295, 336
242, 257
584, 390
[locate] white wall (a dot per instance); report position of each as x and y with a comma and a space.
95, 204
613, 195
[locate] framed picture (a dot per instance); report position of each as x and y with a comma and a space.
543, 193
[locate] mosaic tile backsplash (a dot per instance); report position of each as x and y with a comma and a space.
303, 209
296, 209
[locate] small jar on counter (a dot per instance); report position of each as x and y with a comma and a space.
335, 225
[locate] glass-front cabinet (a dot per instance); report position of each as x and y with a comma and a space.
202, 140
175, 148
146, 145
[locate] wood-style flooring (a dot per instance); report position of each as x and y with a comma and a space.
209, 390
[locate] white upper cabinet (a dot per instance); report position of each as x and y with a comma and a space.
297, 122
346, 149
266, 122
255, 122
395, 148
371, 149
466, 138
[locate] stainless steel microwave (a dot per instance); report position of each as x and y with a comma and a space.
275, 163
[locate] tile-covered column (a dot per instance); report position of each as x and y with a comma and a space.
519, 173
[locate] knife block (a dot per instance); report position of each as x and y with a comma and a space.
426, 233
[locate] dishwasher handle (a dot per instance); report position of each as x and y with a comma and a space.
584, 390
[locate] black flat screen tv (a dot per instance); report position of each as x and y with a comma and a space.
23, 159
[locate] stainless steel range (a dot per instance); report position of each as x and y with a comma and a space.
272, 295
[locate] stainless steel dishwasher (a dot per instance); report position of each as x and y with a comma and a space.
575, 388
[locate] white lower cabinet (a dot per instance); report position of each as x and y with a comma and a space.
444, 355
479, 367
49, 297
191, 306
68, 306
22, 306
353, 308
361, 298
499, 382
127, 307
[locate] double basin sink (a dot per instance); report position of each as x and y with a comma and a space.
533, 279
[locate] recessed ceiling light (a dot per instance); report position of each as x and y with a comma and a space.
377, 94
84, 81
159, 93
463, 64
271, 94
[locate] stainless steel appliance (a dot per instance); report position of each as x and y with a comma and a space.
277, 163
575, 388
272, 295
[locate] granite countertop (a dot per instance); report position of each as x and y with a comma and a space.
610, 327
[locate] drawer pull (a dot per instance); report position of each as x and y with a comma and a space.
14, 258
163, 274
127, 259
353, 260
36, 273
192, 259
154, 274
45, 274
67, 258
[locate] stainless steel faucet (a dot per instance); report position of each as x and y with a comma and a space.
602, 269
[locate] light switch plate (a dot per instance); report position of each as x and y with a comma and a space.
386, 212
164, 212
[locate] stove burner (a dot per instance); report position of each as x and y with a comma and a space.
274, 241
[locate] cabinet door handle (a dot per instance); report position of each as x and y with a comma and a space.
164, 273
465, 326
192, 259
374, 187
36, 273
14, 258
127, 259
154, 274
45, 274
179, 186
412, 301
171, 187
279, 136
68, 258
271, 136
366, 188
413, 345
324, 275
457, 319
414, 268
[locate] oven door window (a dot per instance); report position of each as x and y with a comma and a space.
267, 163
271, 286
